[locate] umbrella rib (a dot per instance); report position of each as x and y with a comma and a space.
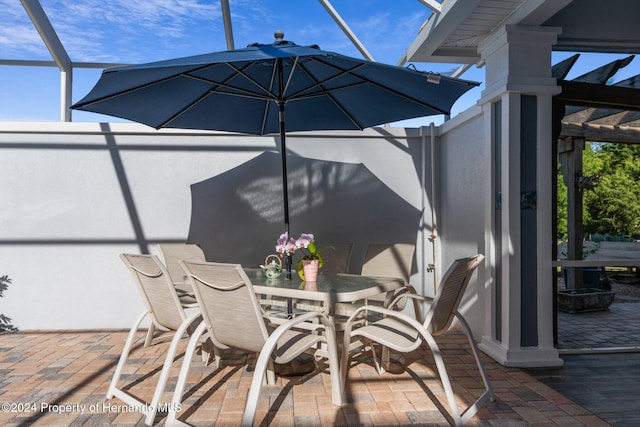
321, 83
266, 104
268, 91
223, 84
351, 72
238, 91
141, 86
293, 68
330, 95
182, 110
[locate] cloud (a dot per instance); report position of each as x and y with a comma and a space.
18, 37
21, 42
389, 34
113, 31
131, 31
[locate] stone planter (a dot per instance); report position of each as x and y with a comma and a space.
584, 300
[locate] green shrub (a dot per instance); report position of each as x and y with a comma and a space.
5, 322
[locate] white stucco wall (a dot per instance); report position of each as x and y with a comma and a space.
463, 182
73, 192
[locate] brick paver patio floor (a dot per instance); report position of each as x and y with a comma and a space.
61, 378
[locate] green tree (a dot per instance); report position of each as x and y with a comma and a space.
562, 213
613, 205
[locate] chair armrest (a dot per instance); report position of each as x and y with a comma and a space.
403, 293
409, 291
417, 325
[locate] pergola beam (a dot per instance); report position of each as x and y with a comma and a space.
598, 95
598, 132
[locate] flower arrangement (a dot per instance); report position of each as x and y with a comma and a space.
307, 246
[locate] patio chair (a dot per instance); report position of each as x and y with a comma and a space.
234, 318
405, 334
166, 313
171, 254
384, 260
337, 258
389, 260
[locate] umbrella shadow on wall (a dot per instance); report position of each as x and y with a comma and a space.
237, 216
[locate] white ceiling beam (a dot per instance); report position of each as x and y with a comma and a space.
460, 70
437, 28
47, 33
58, 52
36, 63
402, 60
433, 5
226, 19
345, 28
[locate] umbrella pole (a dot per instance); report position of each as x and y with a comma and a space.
285, 189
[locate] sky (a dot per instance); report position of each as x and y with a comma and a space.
138, 31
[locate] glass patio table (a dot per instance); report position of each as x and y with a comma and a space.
329, 289
325, 294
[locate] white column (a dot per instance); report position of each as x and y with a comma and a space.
518, 69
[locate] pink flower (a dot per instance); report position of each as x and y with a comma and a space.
286, 244
304, 240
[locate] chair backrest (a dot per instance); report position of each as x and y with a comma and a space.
337, 258
171, 253
156, 289
228, 304
449, 294
389, 260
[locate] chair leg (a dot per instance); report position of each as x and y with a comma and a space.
209, 353
382, 364
125, 355
271, 373
182, 377
164, 374
488, 394
150, 332
444, 378
217, 356
256, 384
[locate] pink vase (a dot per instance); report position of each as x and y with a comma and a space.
310, 286
310, 269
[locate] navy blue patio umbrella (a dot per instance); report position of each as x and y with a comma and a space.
249, 90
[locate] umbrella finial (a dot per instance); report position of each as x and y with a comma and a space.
279, 35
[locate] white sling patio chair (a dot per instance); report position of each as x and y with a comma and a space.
164, 310
384, 260
171, 254
389, 260
337, 257
233, 317
405, 334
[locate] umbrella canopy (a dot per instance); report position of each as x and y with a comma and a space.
244, 90
248, 90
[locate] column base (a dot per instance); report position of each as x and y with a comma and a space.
522, 357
